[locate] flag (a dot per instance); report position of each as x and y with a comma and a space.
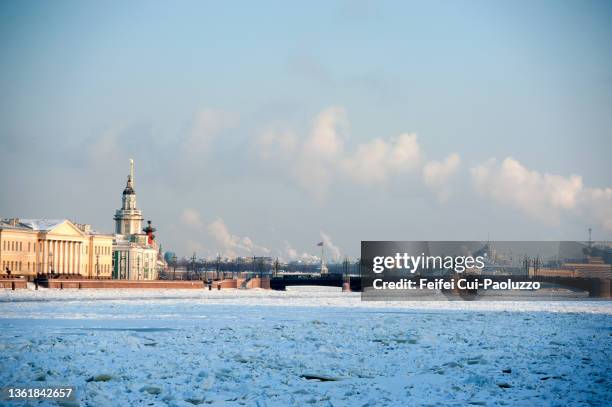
320, 244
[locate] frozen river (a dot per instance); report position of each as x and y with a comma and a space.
185, 348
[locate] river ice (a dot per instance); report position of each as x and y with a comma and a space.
306, 346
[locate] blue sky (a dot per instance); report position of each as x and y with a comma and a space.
228, 108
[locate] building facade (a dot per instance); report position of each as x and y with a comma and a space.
135, 252
54, 247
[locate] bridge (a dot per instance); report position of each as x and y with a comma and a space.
596, 287
327, 280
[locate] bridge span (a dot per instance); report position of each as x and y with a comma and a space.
596, 287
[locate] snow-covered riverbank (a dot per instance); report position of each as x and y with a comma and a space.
264, 348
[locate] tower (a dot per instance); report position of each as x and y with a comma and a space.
128, 219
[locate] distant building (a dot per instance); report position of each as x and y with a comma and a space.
54, 247
135, 253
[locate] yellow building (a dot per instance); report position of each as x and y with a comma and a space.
42, 246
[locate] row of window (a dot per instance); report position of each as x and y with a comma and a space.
104, 268
15, 246
13, 265
102, 250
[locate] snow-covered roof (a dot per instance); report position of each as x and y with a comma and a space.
45, 225
97, 232
41, 224
4, 224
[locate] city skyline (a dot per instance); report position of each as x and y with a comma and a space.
266, 131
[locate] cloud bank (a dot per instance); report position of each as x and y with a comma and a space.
323, 157
544, 197
436, 175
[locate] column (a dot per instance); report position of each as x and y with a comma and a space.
55, 255
69, 260
43, 256
47, 259
71, 265
46, 255
79, 256
38, 263
66, 257
62, 245
69, 257
37, 251
47, 246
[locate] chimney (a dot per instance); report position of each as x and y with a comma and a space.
85, 228
13, 221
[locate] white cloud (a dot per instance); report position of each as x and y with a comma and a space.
544, 197
291, 254
329, 130
323, 158
233, 245
376, 161
333, 251
598, 203
436, 174
190, 217
309, 258
315, 164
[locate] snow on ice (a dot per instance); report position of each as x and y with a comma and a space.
305, 346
